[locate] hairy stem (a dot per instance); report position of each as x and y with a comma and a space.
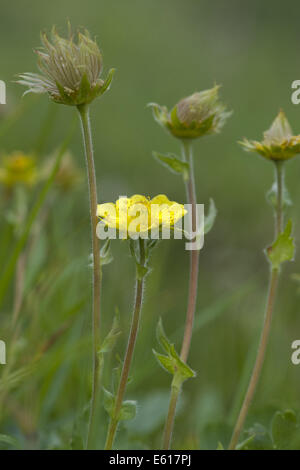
192, 296
88, 146
112, 428
279, 174
274, 275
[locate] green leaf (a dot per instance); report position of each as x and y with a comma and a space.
272, 197
181, 367
258, 438
108, 402
283, 248
106, 85
171, 362
285, 430
106, 256
210, 218
84, 88
128, 410
8, 441
162, 337
220, 446
111, 338
141, 271
173, 163
165, 361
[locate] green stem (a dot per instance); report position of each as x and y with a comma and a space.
279, 174
88, 146
192, 296
112, 428
274, 276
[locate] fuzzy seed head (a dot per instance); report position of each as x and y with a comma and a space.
69, 68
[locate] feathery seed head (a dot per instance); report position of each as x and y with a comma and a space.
69, 69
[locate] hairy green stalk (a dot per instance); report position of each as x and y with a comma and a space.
274, 275
192, 296
114, 421
89, 154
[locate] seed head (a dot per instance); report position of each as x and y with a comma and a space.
69, 69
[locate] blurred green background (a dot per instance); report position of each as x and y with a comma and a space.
163, 51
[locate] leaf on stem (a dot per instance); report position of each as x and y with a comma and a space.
257, 438
106, 256
171, 362
173, 163
210, 218
272, 197
141, 270
128, 409
285, 430
283, 248
108, 402
111, 338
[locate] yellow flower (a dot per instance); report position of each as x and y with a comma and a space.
18, 168
278, 143
140, 215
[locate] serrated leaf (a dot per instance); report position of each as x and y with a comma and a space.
285, 430
283, 248
128, 410
210, 218
173, 163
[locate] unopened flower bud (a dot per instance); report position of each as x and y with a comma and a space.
194, 116
278, 142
